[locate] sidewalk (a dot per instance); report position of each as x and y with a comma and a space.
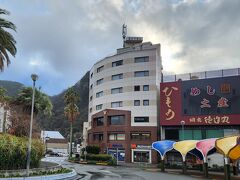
193, 173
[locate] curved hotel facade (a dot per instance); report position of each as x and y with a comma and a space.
124, 102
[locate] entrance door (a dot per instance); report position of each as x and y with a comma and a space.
141, 156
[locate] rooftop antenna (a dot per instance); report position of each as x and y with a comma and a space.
124, 33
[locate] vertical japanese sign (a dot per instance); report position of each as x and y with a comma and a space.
170, 102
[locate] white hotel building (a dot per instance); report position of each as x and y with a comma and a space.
124, 101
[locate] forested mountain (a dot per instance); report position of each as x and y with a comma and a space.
11, 87
58, 122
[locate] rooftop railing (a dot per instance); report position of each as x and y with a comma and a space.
202, 75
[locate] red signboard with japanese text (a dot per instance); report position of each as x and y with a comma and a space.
214, 101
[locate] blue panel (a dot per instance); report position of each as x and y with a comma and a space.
163, 146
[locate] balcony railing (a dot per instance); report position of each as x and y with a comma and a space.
202, 75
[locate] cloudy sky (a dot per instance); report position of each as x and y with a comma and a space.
61, 39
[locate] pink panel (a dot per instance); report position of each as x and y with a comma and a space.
206, 145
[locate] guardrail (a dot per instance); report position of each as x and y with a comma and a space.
202, 75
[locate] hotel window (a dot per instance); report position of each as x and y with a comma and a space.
117, 76
116, 90
90, 98
116, 104
100, 81
91, 86
100, 69
141, 136
145, 87
141, 119
116, 137
136, 88
136, 102
117, 63
146, 102
141, 59
116, 120
99, 121
97, 137
98, 107
99, 94
91, 75
141, 73
90, 110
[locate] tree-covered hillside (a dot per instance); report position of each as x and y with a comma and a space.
58, 121
11, 87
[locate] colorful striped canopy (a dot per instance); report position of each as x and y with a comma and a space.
163, 147
224, 145
184, 147
205, 146
234, 153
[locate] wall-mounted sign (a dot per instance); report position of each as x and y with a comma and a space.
213, 101
115, 145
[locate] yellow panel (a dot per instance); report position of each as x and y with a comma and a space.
234, 153
185, 146
224, 145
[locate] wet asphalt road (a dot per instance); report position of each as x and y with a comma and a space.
93, 172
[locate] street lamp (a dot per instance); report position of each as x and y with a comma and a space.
34, 78
183, 123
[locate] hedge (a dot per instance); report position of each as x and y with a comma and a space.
13, 152
91, 149
97, 157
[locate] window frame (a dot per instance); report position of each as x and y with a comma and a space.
100, 107
142, 59
99, 81
121, 120
137, 86
119, 88
138, 73
146, 86
99, 94
115, 63
146, 100
120, 76
100, 69
117, 102
137, 101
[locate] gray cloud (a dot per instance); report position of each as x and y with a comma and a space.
62, 40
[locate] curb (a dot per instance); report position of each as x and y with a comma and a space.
47, 177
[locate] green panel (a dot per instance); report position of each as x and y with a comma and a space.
188, 134
214, 133
197, 134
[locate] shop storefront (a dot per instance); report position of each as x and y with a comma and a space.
141, 153
117, 151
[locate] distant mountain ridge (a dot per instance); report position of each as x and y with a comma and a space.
12, 87
58, 121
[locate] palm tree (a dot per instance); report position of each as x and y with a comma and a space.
42, 103
71, 110
7, 41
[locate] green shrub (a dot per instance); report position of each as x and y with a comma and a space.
92, 149
97, 157
13, 152
112, 162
